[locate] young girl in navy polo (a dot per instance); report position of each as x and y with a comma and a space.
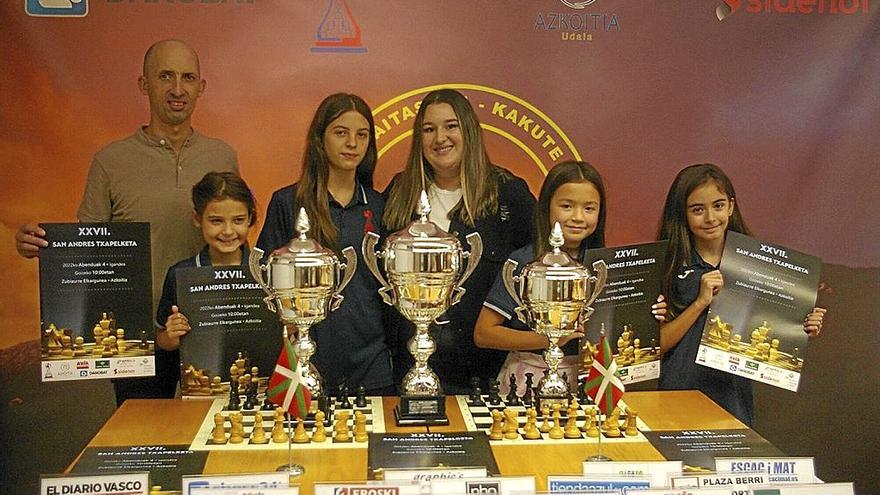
224, 209
573, 194
336, 189
700, 209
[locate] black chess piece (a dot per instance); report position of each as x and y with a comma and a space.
494, 396
360, 398
341, 394
144, 344
477, 397
234, 400
512, 398
475, 386
268, 405
344, 403
528, 397
581, 390
250, 396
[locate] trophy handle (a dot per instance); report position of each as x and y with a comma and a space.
509, 279
476, 252
349, 268
598, 280
257, 271
368, 249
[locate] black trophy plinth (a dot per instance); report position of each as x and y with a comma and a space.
421, 410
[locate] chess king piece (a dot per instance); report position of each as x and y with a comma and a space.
303, 284
553, 296
425, 267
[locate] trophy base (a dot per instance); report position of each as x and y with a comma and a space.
549, 400
421, 411
598, 458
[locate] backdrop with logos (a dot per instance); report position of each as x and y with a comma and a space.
781, 94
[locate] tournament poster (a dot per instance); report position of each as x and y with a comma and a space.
96, 302
755, 326
623, 308
230, 325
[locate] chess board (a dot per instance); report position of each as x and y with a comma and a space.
479, 418
373, 411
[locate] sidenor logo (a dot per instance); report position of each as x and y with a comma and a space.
730, 7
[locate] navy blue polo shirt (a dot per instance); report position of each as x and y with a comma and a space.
350, 342
500, 301
678, 368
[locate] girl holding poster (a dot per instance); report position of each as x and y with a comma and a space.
700, 208
224, 209
336, 189
573, 194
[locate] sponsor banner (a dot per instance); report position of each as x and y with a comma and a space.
780, 470
504, 485
596, 483
105, 484
425, 476
90, 368
369, 488
244, 490
719, 480
811, 489
658, 471
261, 481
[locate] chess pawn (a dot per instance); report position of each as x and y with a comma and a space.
255, 372
106, 351
216, 386
320, 433
278, 433
360, 427
236, 432
556, 432
592, 429
571, 428
340, 427
66, 346
113, 348
78, 347
120, 340
495, 431
531, 428
299, 433
545, 415
218, 434
258, 435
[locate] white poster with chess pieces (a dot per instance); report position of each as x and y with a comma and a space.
754, 328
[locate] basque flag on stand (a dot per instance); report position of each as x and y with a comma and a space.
286, 384
603, 385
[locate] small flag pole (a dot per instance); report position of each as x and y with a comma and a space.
291, 468
598, 456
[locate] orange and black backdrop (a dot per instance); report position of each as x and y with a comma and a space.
783, 94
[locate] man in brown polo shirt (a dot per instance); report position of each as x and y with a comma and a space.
148, 177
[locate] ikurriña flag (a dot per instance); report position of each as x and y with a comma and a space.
603, 385
286, 386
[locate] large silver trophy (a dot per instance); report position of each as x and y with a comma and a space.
425, 276
553, 295
303, 284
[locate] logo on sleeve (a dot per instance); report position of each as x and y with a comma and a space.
57, 8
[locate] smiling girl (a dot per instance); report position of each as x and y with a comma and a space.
224, 209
